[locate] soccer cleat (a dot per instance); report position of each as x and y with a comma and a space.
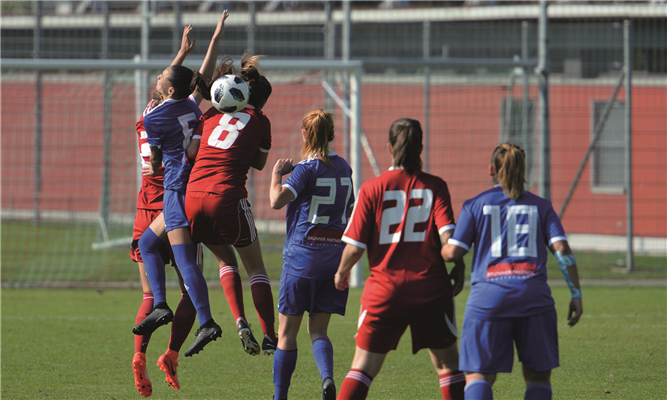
268, 347
141, 380
328, 389
158, 317
207, 333
248, 340
168, 362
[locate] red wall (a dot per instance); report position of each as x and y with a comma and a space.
464, 129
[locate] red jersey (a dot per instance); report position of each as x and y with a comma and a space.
228, 144
152, 187
398, 219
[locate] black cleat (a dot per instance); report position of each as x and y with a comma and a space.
207, 333
328, 389
161, 315
268, 347
248, 340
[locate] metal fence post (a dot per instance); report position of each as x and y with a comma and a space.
37, 53
544, 188
427, 92
356, 277
627, 56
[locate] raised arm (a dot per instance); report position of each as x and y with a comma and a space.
187, 45
568, 266
279, 195
208, 65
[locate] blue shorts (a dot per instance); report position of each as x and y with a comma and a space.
298, 295
173, 209
487, 346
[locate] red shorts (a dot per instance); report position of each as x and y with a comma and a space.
216, 220
433, 326
142, 221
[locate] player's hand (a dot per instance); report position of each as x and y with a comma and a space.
342, 281
187, 44
283, 166
147, 170
576, 309
152, 104
220, 28
457, 275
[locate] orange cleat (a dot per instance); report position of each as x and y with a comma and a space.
141, 380
168, 362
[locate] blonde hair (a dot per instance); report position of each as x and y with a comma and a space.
319, 127
509, 160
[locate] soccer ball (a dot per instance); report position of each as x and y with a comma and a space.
230, 94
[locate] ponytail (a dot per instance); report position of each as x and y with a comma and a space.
319, 127
260, 87
509, 161
405, 138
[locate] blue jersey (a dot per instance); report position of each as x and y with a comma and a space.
170, 126
509, 275
317, 217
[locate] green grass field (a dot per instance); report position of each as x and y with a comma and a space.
78, 344
61, 252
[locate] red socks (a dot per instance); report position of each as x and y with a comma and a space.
452, 385
355, 386
184, 318
263, 299
141, 341
230, 279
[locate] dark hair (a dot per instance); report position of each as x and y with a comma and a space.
509, 160
186, 81
260, 87
405, 138
319, 127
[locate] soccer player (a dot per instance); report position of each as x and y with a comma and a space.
169, 127
510, 300
149, 208
224, 147
319, 196
401, 218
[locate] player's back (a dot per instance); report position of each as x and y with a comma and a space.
228, 145
509, 262
403, 216
317, 217
170, 125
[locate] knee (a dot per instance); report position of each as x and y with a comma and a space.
531, 376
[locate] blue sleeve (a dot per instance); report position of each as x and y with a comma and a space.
153, 136
553, 228
298, 179
464, 233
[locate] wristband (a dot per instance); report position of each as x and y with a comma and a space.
196, 137
563, 263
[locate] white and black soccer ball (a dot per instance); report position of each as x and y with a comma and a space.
230, 94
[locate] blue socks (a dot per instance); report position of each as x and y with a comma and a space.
149, 245
538, 391
478, 389
323, 353
284, 363
193, 278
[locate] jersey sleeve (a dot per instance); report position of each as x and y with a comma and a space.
265, 144
298, 179
464, 234
553, 228
153, 136
360, 228
442, 208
